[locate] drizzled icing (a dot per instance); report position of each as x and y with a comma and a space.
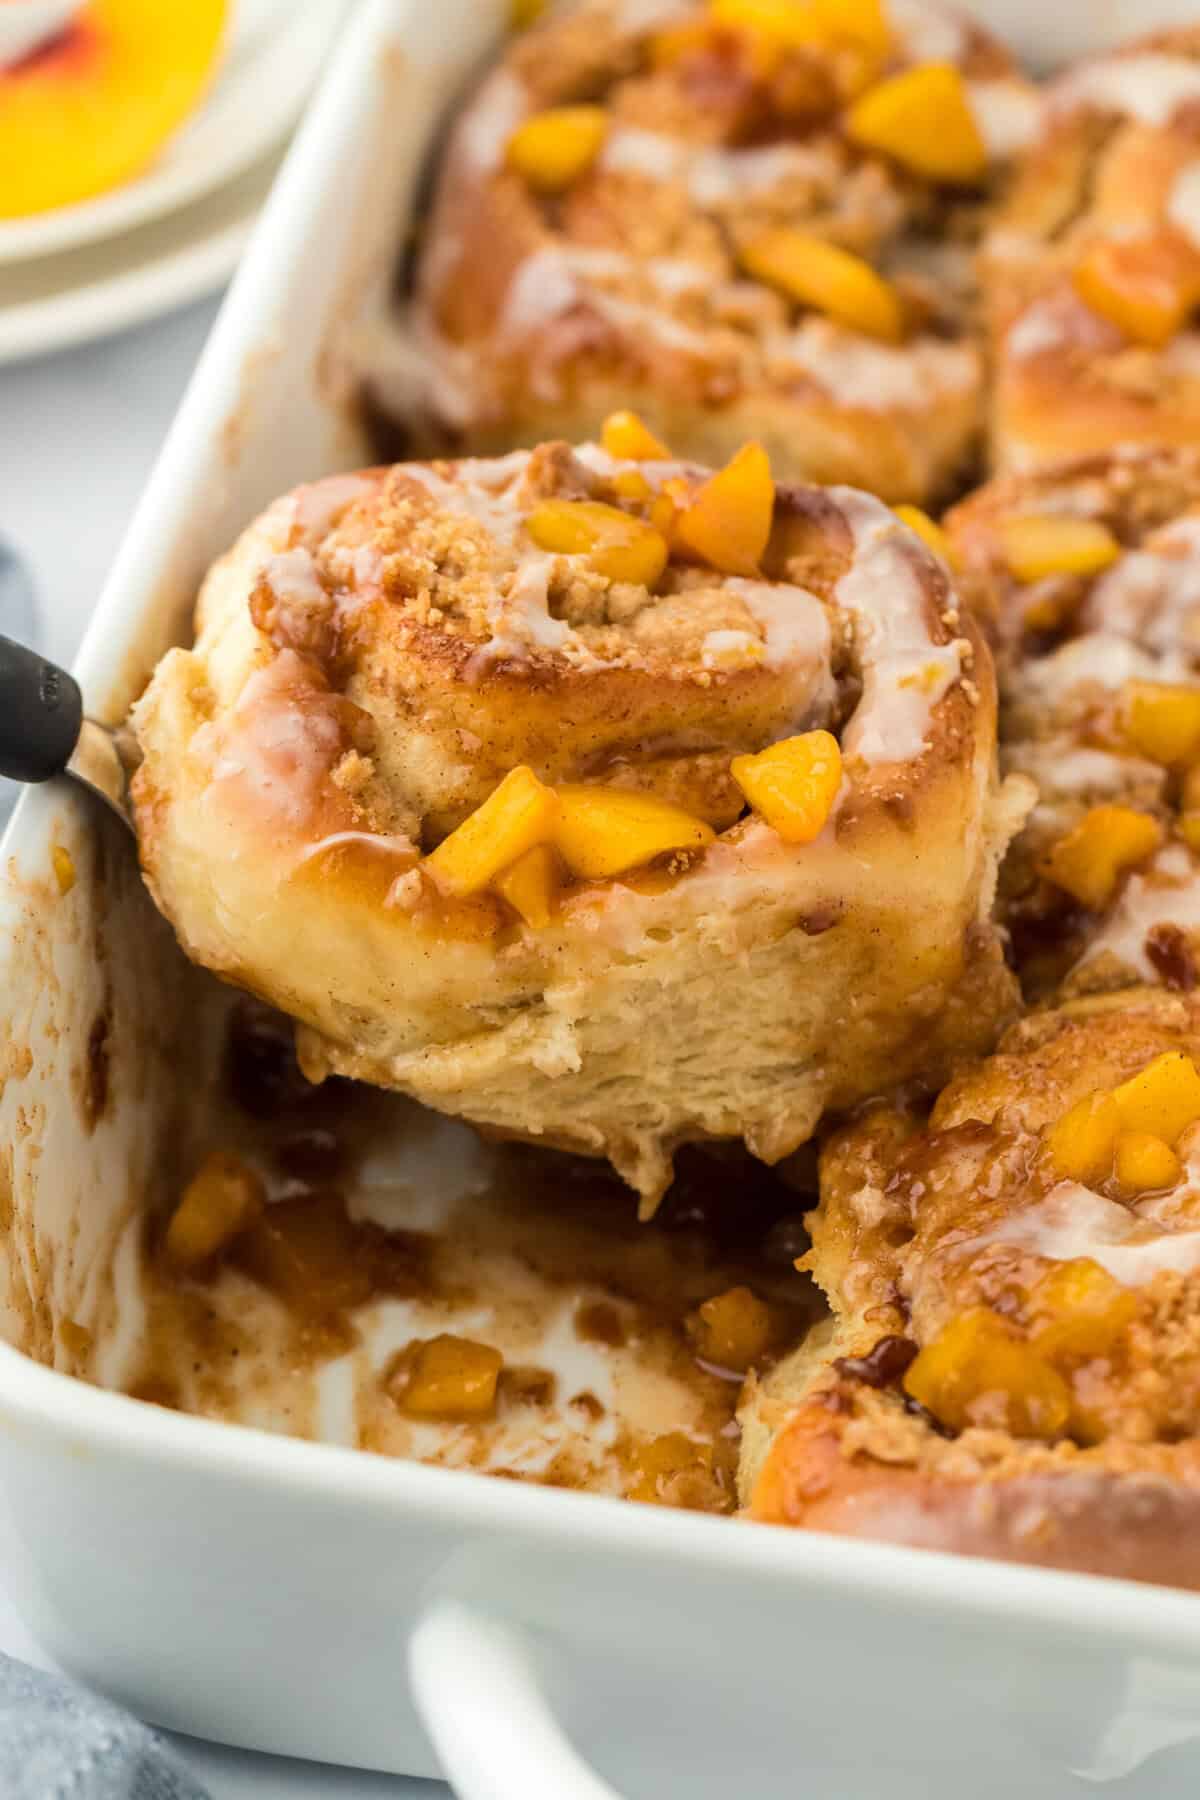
859, 372
501, 105
1007, 112
1074, 1222
1183, 205
905, 674
1152, 595
1151, 87
1062, 767
927, 33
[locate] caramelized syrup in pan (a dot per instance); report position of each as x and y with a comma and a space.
388, 1226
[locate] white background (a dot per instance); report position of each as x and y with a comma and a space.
78, 434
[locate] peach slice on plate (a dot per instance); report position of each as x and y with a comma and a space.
89, 108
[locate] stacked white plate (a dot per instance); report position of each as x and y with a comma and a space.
176, 232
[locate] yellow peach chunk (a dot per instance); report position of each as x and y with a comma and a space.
977, 1371
1162, 720
603, 831
1083, 1142
616, 544
672, 1470
929, 532
1090, 860
631, 484
1188, 826
824, 276
447, 1377
516, 816
793, 784
1145, 1163
923, 119
64, 868
1146, 286
1055, 544
1079, 1311
532, 885
731, 1330
553, 149
222, 1199
624, 436
93, 107
1163, 1098
799, 24
728, 523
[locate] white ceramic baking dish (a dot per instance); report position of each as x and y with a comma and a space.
330, 1604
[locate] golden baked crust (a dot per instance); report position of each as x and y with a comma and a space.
379, 650
535, 316
1114, 165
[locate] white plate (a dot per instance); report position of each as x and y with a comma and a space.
84, 294
268, 73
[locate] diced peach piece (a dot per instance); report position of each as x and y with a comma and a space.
616, 544
524, 13
923, 119
728, 523
1188, 826
672, 1470
1145, 1163
731, 1330
1055, 544
793, 784
929, 532
1080, 1311
800, 24
553, 149
92, 108
63, 865
1083, 1142
978, 1371
516, 816
624, 436
603, 831
631, 484
1163, 1098
824, 276
531, 886
1162, 720
1090, 860
1146, 286
447, 1377
222, 1199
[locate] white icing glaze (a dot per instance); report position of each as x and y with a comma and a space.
1008, 112
292, 577
730, 649
1055, 322
1100, 659
1183, 204
1152, 596
719, 177
1168, 893
631, 151
927, 33
491, 121
1073, 1222
905, 674
859, 372
319, 503
1061, 766
795, 627
1150, 87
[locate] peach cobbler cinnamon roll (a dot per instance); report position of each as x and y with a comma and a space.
1092, 267
1014, 1360
757, 218
588, 795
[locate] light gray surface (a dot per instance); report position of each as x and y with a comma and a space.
78, 434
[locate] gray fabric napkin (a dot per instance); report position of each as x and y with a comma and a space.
59, 1742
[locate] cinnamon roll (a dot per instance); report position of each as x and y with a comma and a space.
1092, 267
759, 220
1012, 1365
604, 802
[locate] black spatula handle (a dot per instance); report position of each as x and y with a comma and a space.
41, 711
